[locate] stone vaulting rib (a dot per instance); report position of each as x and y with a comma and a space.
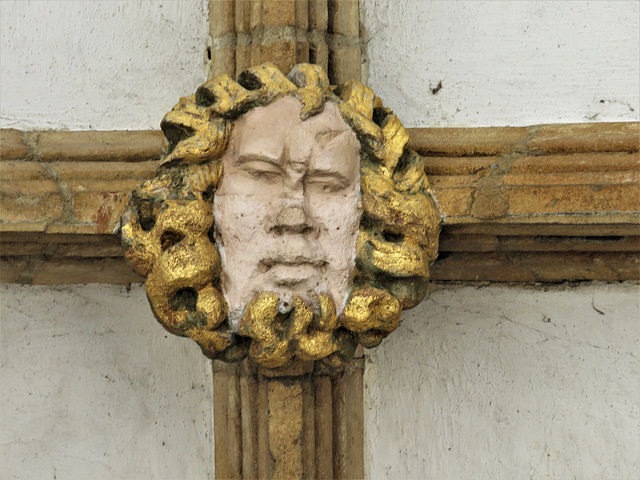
542, 203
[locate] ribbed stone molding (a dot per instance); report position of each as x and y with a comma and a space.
305, 421
545, 203
244, 33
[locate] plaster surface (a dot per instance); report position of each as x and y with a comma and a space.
508, 382
457, 391
98, 65
489, 63
288, 207
91, 386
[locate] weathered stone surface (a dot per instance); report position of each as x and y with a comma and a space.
520, 184
283, 53
100, 209
559, 202
11, 249
610, 161
223, 59
537, 266
344, 63
302, 14
567, 225
278, 13
12, 147
539, 139
222, 19
294, 425
285, 429
295, 369
45, 270
318, 15
99, 146
286, 32
344, 18
613, 161
16, 170
11, 268
319, 51
461, 263
118, 172
525, 243
107, 270
29, 201
70, 195
576, 138
242, 14
41, 186
466, 142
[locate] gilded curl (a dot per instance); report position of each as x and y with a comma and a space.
167, 228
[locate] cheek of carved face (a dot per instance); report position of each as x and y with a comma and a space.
287, 210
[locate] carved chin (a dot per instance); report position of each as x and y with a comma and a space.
281, 329
306, 328
287, 281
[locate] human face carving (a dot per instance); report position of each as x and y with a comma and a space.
287, 210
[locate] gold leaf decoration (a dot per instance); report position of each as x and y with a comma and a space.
168, 236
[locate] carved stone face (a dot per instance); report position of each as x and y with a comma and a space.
283, 198
287, 209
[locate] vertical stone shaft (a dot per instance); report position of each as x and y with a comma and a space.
348, 424
344, 41
227, 413
245, 33
249, 419
243, 38
251, 32
304, 421
222, 33
318, 22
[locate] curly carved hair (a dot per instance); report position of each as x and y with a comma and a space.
167, 228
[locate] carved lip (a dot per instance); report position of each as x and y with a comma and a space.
268, 263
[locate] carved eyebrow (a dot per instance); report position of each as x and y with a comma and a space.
253, 157
327, 136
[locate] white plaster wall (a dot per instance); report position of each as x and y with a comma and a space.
508, 383
98, 65
505, 62
475, 383
458, 391
91, 386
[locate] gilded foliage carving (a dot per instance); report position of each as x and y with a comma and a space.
168, 227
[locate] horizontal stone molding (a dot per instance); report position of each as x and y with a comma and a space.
82, 146
519, 204
573, 174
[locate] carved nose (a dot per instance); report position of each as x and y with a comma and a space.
292, 219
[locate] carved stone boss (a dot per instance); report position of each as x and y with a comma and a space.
288, 219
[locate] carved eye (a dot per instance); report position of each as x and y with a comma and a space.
262, 171
330, 188
265, 175
325, 184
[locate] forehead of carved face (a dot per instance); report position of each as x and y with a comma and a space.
287, 210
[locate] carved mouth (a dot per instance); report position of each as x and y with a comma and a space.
268, 263
294, 269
